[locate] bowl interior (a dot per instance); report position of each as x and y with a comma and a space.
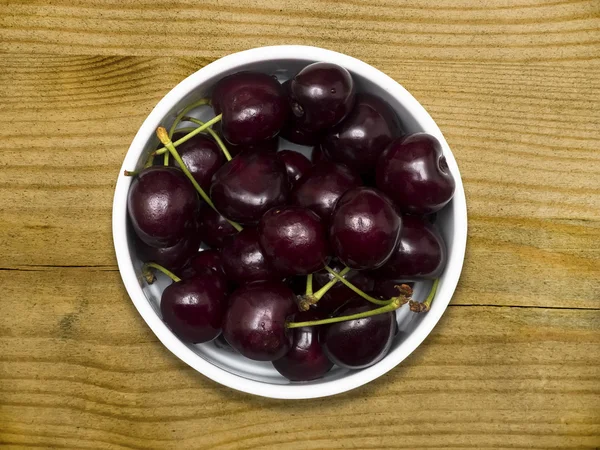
414, 120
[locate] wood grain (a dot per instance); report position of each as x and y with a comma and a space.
514, 363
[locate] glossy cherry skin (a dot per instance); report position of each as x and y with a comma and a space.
322, 186
321, 96
363, 135
244, 260
294, 240
364, 228
210, 258
249, 185
305, 361
420, 254
414, 173
339, 293
293, 131
162, 205
214, 229
173, 258
359, 343
202, 156
253, 105
194, 308
255, 321
296, 164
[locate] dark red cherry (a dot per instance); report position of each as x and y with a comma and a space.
269, 146
296, 164
253, 105
420, 254
293, 131
364, 228
363, 135
305, 361
359, 343
162, 205
194, 308
249, 185
174, 257
214, 229
255, 321
294, 240
318, 156
414, 173
321, 96
211, 259
244, 260
202, 156
322, 186
339, 293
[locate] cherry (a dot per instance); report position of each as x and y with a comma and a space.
269, 146
249, 185
339, 294
194, 308
211, 259
202, 156
253, 106
244, 259
255, 323
293, 240
414, 173
363, 135
364, 228
293, 131
305, 361
318, 156
420, 254
358, 343
174, 257
162, 206
296, 164
214, 228
321, 96
322, 186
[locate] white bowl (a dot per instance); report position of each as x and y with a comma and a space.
222, 364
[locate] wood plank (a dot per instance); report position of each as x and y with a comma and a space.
525, 137
499, 30
80, 369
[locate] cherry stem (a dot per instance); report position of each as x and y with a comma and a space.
309, 285
426, 305
130, 173
162, 134
187, 109
213, 134
313, 298
390, 306
150, 276
190, 135
364, 295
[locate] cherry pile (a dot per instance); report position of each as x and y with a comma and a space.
302, 263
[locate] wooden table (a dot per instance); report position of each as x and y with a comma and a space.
514, 363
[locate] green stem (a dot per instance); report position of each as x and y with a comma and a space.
390, 306
149, 161
355, 289
171, 275
313, 298
166, 161
213, 134
162, 134
185, 130
426, 305
187, 109
190, 135
130, 173
309, 284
